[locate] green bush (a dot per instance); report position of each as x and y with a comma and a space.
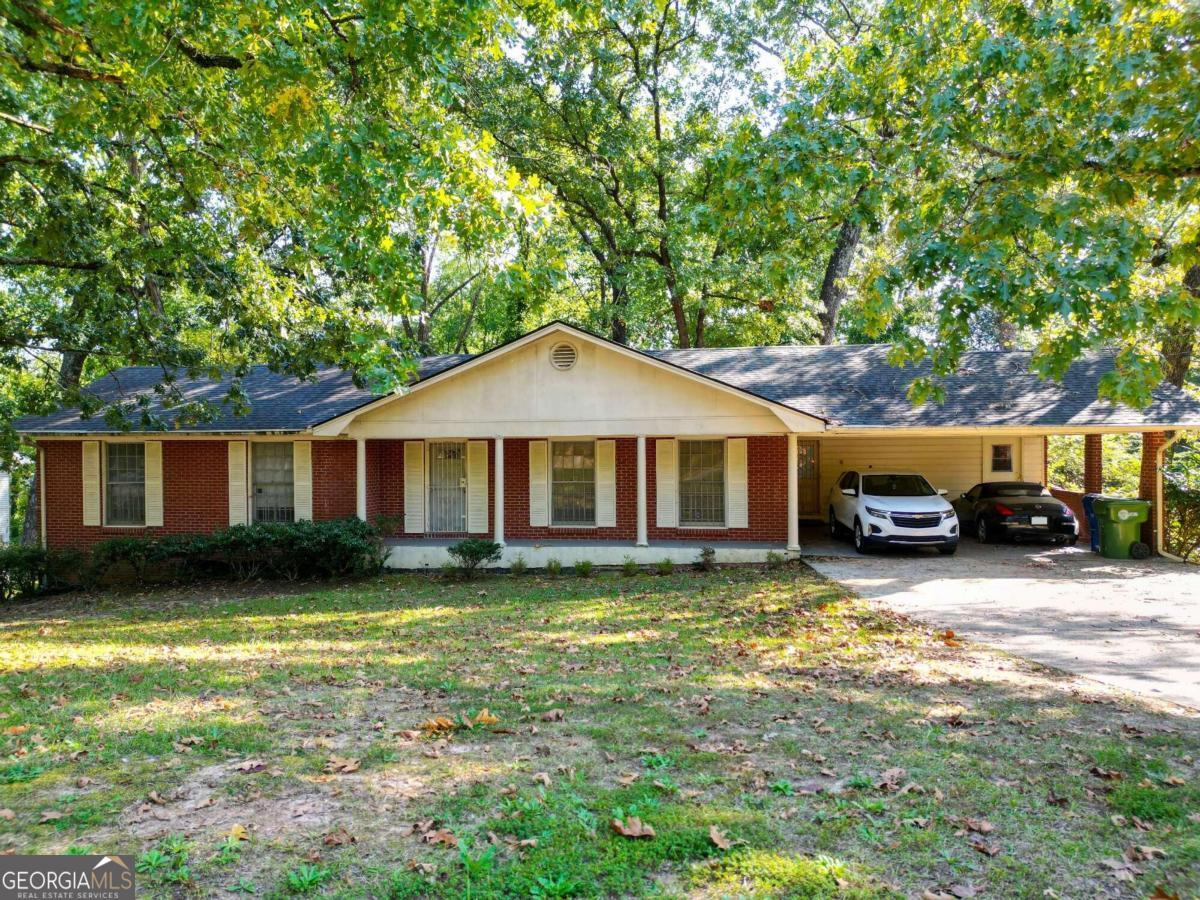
583, 568
664, 567
518, 565
630, 566
707, 560
28, 571
553, 567
775, 559
472, 553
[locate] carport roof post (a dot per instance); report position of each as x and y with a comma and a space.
1093, 464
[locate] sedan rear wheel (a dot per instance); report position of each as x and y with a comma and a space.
982, 531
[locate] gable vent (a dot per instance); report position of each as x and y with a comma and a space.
562, 356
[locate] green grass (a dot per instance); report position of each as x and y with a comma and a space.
770, 706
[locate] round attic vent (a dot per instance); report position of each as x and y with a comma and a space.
562, 356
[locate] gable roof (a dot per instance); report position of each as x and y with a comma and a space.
845, 386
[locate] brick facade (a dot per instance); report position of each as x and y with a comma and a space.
1093, 463
767, 474
195, 493
1152, 442
334, 479
516, 497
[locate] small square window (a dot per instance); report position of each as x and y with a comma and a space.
1002, 458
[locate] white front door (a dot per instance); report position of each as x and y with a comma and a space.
447, 487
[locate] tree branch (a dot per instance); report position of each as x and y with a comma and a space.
202, 59
46, 262
66, 70
24, 123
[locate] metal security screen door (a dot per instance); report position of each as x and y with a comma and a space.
808, 477
273, 487
448, 487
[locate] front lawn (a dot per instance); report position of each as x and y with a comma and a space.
737, 733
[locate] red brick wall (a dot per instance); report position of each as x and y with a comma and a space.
516, 497
334, 475
1093, 463
385, 487
195, 493
1152, 442
766, 470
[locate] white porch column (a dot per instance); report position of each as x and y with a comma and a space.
793, 500
499, 489
360, 479
642, 536
5, 508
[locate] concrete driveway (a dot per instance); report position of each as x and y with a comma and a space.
1135, 625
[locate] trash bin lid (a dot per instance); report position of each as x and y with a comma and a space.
1121, 509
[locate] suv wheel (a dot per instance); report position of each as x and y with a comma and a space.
835, 528
982, 532
860, 540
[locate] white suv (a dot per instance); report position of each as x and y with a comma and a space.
891, 509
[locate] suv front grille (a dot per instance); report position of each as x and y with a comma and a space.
916, 520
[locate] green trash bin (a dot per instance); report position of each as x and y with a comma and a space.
1121, 527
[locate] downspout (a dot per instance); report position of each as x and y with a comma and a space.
1159, 507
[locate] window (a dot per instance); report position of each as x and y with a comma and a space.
896, 486
1002, 458
849, 481
274, 496
125, 484
702, 483
573, 483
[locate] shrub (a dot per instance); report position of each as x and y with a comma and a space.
28, 571
664, 567
775, 559
629, 566
471, 553
583, 568
707, 560
518, 566
553, 567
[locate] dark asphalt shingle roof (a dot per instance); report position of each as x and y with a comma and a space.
847, 385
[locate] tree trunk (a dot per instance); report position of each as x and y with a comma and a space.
836, 269
31, 529
70, 369
1178, 347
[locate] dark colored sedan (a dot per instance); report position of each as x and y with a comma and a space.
1020, 510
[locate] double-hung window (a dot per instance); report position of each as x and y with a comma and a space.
1002, 457
573, 483
125, 484
702, 483
274, 486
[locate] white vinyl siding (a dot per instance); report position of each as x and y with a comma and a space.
1033, 459
737, 484
477, 487
539, 493
414, 487
302, 483
606, 484
666, 507
154, 484
125, 484
573, 483
91, 482
238, 507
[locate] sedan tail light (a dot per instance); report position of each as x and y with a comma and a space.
1003, 510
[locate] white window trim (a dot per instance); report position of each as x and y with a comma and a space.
104, 523
429, 484
1012, 457
679, 440
550, 442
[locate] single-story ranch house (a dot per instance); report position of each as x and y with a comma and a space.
562, 444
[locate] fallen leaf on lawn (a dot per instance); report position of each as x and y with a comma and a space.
1119, 821
156, 797
1122, 870
890, 780
1141, 853
542, 778
632, 827
441, 836
251, 765
16, 729
339, 837
979, 826
718, 837
628, 778
1174, 781
1162, 893
985, 848
485, 717
238, 833
437, 725
82, 781
553, 715
408, 735
50, 815
1106, 774
508, 790
341, 765
915, 823
1054, 800
423, 867
7, 814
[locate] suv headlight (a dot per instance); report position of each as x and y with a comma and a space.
877, 513
948, 514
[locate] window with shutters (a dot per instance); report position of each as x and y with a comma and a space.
274, 489
125, 484
702, 483
573, 483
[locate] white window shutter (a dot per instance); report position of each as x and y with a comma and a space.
237, 483
477, 487
5, 508
414, 487
302, 483
737, 501
606, 484
154, 484
666, 483
91, 482
539, 493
